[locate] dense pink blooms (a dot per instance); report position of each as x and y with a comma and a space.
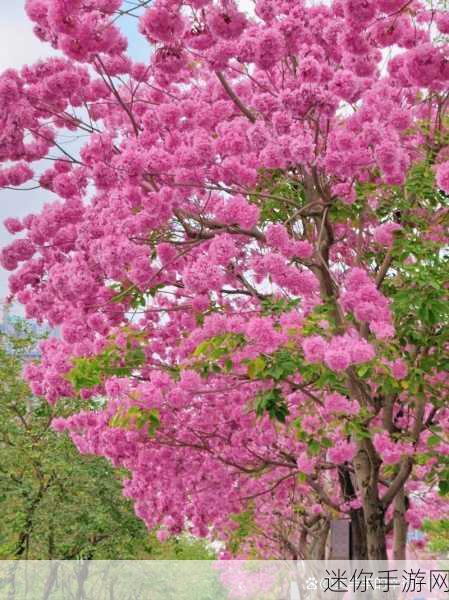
244, 253
314, 348
161, 24
443, 176
269, 49
237, 211
13, 225
442, 21
336, 403
277, 237
15, 176
366, 301
223, 249
383, 234
260, 331
342, 452
391, 452
227, 23
399, 369
337, 359
202, 276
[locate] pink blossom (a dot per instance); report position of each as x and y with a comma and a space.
300, 249
443, 176
227, 24
58, 424
223, 249
12, 225
383, 234
162, 535
310, 423
305, 464
381, 329
442, 21
269, 49
277, 237
337, 359
390, 451
190, 380
338, 404
399, 369
261, 332
310, 70
314, 348
342, 452
161, 24
202, 276
237, 211
361, 351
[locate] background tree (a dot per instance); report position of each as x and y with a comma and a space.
247, 257
55, 503
438, 535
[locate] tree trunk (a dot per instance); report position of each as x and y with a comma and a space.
317, 549
400, 526
51, 579
366, 465
359, 546
359, 550
82, 574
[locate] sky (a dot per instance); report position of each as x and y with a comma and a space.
19, 46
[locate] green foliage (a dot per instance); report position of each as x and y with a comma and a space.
420, 303
273, 403
215, 353
438, 534
133, 295
183, 547
321, 312
443, 476
88, 372
277, 196
277, 306
137, 417
357, 429
278, 366
316, 442
245, 527
421, 182
219, 346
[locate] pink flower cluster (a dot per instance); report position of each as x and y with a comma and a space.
337, 404
443, 176
383, 234
339, 353
391, 452
342, 452
367, 303
277, 237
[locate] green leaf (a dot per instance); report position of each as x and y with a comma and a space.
201, 348
314, 447
443, 487
433, 441
256, 367
273, 403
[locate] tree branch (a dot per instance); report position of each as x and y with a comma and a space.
230, 92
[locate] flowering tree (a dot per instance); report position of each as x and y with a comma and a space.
246, 258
